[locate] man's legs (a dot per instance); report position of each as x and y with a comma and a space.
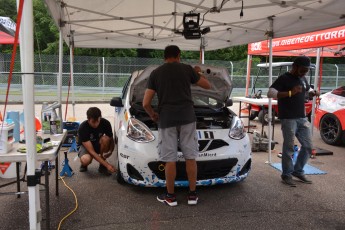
167, 150
85, 158
288, 127
303, 135
191, 169
189, 146
106, 144
170, 175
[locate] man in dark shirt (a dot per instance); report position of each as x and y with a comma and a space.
290, 89
176, 118
95, 137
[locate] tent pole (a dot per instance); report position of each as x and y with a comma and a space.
249, 66
27, 58
270, 34
316, 78
232, 70
71, 47
202, 50
59, 80
103, 75
336, 79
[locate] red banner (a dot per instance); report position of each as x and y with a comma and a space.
6, 38
333, 40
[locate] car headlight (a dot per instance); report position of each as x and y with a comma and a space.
237, 130
138, 131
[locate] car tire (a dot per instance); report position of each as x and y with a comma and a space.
253, 115
330, 129
263, 116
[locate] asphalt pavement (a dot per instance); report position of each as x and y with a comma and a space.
262, 201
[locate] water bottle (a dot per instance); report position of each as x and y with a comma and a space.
45, 118
53, 126
295, 154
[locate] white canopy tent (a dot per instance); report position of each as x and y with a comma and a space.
152, 24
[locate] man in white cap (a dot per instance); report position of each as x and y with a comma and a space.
290, 89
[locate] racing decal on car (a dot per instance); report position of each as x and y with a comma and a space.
205, 154
124, 155
208, 135
205, 135
118, 110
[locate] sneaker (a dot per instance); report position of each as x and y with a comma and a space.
192, 198
103, 170
169, 199
82, 168
302, 178
288, 180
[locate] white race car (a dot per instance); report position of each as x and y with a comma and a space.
224, 146
330, 116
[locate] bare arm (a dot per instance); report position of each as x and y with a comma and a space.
148, 96
203, 82
89, 148
273, 93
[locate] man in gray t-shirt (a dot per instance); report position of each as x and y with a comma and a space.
176, 118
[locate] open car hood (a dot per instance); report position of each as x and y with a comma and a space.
219, 78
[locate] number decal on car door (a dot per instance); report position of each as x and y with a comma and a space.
208, 135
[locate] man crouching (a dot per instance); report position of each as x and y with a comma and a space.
95, 137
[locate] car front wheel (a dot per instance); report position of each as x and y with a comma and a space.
263, 116
330, 129
253, 115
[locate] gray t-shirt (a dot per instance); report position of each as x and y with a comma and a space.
172, 83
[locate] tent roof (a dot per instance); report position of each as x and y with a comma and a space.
151, 23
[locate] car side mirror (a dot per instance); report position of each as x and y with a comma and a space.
229, 103
116, 102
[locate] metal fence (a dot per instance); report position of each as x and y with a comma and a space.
100, 78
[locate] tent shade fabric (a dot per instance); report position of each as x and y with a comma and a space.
6, 38
7, 30
151, 24
7, 25
304, 44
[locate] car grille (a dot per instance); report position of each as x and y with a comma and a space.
206, 169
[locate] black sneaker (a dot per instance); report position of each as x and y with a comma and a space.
192, 198
288, 180
103, 170
82, 168
302, 178
169, 199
